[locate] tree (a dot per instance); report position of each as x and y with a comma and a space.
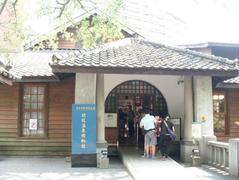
17, 17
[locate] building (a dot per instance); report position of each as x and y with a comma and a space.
36, 110
225, 92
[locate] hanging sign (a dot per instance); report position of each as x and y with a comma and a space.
137, 101
32, 124
83, 129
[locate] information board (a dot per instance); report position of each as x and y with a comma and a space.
110, 119
83, 137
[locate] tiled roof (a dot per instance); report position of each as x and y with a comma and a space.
137, 17
229, 83
234, 80
140, 54
151, 20
5, 73
34, 64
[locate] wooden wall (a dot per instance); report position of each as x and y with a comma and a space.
58, 142
232, 116
233, 112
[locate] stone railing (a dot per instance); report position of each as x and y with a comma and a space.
219, 154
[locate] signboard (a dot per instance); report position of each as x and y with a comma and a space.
32, 124
196, 130
83, 129
110, 119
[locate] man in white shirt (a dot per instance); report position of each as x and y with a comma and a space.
150, 140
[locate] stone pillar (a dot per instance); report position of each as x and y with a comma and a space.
234, 157
203, 104
102, 159
203, 109
85, 88
85, 93
187, 143
188, 108
204, 148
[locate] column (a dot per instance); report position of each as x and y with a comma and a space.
234, 157
85, 88
187, 144
102, 146
203, 109
203, 103
85, 93
188, 108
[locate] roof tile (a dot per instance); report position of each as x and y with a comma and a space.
136, 53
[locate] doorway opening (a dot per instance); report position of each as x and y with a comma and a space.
136, 95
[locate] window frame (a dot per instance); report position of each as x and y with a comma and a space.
135, 88
21, 110
226, 130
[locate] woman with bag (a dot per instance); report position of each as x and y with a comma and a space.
165, 138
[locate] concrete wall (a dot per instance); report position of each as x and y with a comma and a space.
167, 85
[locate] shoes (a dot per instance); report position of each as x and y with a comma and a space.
145, 156
153, 157
163, 158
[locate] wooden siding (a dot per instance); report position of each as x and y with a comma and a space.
66, 44
233, 98
111, 135
233, 116
58, 141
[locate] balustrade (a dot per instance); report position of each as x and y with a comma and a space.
218, 154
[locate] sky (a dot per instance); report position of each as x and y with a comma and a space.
207, 20
204, 20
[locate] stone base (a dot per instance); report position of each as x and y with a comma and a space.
102, 155
83, 160
196, 161
103, 163
234, 157
186, 148
204, 149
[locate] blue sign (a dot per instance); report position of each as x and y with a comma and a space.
83, 133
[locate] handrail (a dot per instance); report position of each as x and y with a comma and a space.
219, 154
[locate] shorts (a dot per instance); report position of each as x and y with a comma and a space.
150, 138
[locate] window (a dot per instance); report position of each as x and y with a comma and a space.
219, 112
33, 121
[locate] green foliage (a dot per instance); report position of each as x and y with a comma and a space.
12, 23
96, 29
91, 31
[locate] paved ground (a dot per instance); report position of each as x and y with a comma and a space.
25, 168
141, 168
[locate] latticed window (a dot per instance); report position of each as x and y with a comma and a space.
33, 110
219, 111
150, 96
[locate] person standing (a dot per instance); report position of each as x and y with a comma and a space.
122, 121
131, 117
164, 139
158, 129
148, 123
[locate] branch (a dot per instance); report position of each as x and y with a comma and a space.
3, 6
81, 5
14, 7
63, 7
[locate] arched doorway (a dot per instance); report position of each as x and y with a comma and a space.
139, 95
